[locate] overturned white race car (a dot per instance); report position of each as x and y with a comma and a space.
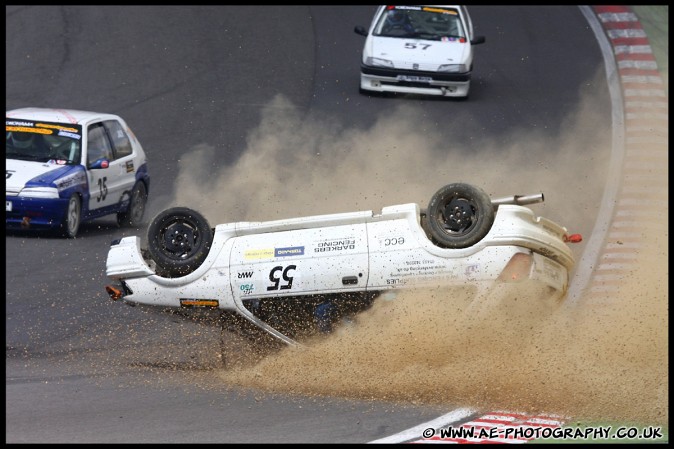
289, 279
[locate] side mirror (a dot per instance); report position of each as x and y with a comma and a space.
360, 30
99, 164
478, 40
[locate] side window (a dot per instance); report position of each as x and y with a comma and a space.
98, 145
120, 141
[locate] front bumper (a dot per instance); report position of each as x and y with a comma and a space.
27, 213
391, 80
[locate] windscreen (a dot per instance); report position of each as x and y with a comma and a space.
43, 141
425, 22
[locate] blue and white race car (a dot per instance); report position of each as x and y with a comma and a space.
64, 167
418, 49
285, 280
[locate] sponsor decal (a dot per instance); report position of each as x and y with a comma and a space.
414, 8
266, 253
43, 128
24, 129
393, 281
441, 11
269, 253
247, 289
70, 180
393, 241
69, 134
17, 123
289, 251
56, 126
424, 270
245, 274
129, 166
335, 245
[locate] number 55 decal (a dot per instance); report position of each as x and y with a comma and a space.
275, 278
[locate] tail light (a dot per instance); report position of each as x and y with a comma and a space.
517, 269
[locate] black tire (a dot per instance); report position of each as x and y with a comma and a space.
71, 222
133, 216
460, 215
179, 240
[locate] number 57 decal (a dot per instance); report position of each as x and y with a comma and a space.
279, 272
412, 45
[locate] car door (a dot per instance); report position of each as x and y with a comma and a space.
108, 140
322, 260
100, 179
124, 164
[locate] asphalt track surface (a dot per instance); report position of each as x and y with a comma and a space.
82, 369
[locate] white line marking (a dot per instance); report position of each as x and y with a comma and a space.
417, 431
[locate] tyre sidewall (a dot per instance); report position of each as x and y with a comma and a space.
71, 223
133, 216
484, 215
168, 264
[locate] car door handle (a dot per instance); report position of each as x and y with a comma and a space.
350, 280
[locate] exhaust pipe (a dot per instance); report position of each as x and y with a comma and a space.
114, 292
519, 200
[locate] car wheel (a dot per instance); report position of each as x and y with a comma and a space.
178, 241
133, 216
459, 215
71, 222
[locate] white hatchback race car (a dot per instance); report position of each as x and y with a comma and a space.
294, 278
418, 49
66, 166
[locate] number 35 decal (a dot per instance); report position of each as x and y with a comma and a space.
277, 273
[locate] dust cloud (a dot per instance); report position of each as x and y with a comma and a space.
582, 361
295, 166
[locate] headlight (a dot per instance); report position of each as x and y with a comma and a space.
40, 192
378, 62
453, 68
